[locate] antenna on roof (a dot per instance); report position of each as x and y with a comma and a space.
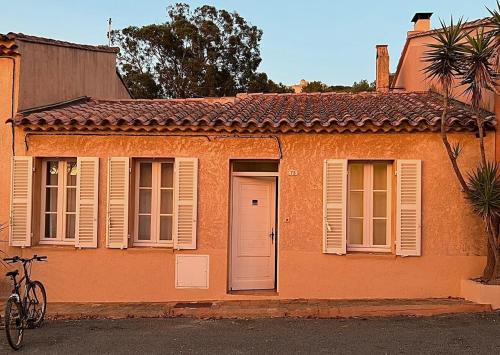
109, 32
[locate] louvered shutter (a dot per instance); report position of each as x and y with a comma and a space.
118, 194
334, 206
20, 201
86, 202
408, 220
186, 196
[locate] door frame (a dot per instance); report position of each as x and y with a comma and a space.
276, 223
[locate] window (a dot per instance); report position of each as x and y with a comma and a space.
368, 212
58, 201
154, 206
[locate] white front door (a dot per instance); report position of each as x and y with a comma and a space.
253, 233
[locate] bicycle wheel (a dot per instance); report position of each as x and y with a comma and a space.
36, 303
14, 328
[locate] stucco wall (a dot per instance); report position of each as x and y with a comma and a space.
453, 245
412, 76
51, 74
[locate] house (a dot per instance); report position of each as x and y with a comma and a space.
410, 74
35, 72
332, 195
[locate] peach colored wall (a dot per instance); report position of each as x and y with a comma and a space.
453, 244
413, 78
6, 69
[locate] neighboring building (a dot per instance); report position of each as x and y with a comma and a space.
410, 73
300, 86
332, 195
35, 72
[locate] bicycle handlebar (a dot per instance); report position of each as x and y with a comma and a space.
16, 259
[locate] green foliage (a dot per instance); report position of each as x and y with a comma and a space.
200, 52
318, 86
484, 190
363, 85
446, 56
478, 72
495, 32
259, 82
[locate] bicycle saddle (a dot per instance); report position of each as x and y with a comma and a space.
12, 273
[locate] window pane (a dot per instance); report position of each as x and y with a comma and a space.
71, 200
355, 204
70, 226
166, 228
380, 204
144, 201
379, 232
52, 170
51, 199
145, 174
144, 228
51, 225
71, 173
167, 175
255, 166
166, 206
356, 176
355, 231
380, 176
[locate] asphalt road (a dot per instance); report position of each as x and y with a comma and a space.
454, 334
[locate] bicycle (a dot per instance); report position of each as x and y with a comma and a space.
26, 311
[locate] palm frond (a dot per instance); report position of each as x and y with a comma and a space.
484, 190
445, 57
478, 72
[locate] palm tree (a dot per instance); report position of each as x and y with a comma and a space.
445, 59
484, 197
478, 75
457, 55
495, 32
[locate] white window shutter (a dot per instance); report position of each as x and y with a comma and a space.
20, 201
334, 206
408, 219
118, 195
86, 202
186, 202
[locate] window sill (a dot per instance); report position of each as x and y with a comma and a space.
56, 243
370, 254
53, 246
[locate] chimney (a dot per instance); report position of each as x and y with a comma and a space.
382, 70
421, 22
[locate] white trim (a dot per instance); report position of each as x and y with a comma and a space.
156, 188
61, 202
368, 217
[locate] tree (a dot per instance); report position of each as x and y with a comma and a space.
205, 52
458, 55
362, 86
259, 82
318, 86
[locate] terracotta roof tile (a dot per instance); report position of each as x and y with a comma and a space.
326, 112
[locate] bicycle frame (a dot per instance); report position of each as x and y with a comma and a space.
17, 287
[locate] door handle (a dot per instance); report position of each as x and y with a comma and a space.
272, 234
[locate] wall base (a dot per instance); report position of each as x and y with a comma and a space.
481, 293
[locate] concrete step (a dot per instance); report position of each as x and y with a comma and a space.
266, 309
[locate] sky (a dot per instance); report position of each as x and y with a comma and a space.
331, 41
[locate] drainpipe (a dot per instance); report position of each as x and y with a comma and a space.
13, 93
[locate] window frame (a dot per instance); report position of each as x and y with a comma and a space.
61, 212
368, 217
155, 213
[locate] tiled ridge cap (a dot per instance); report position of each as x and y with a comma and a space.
469, 24
54, 42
